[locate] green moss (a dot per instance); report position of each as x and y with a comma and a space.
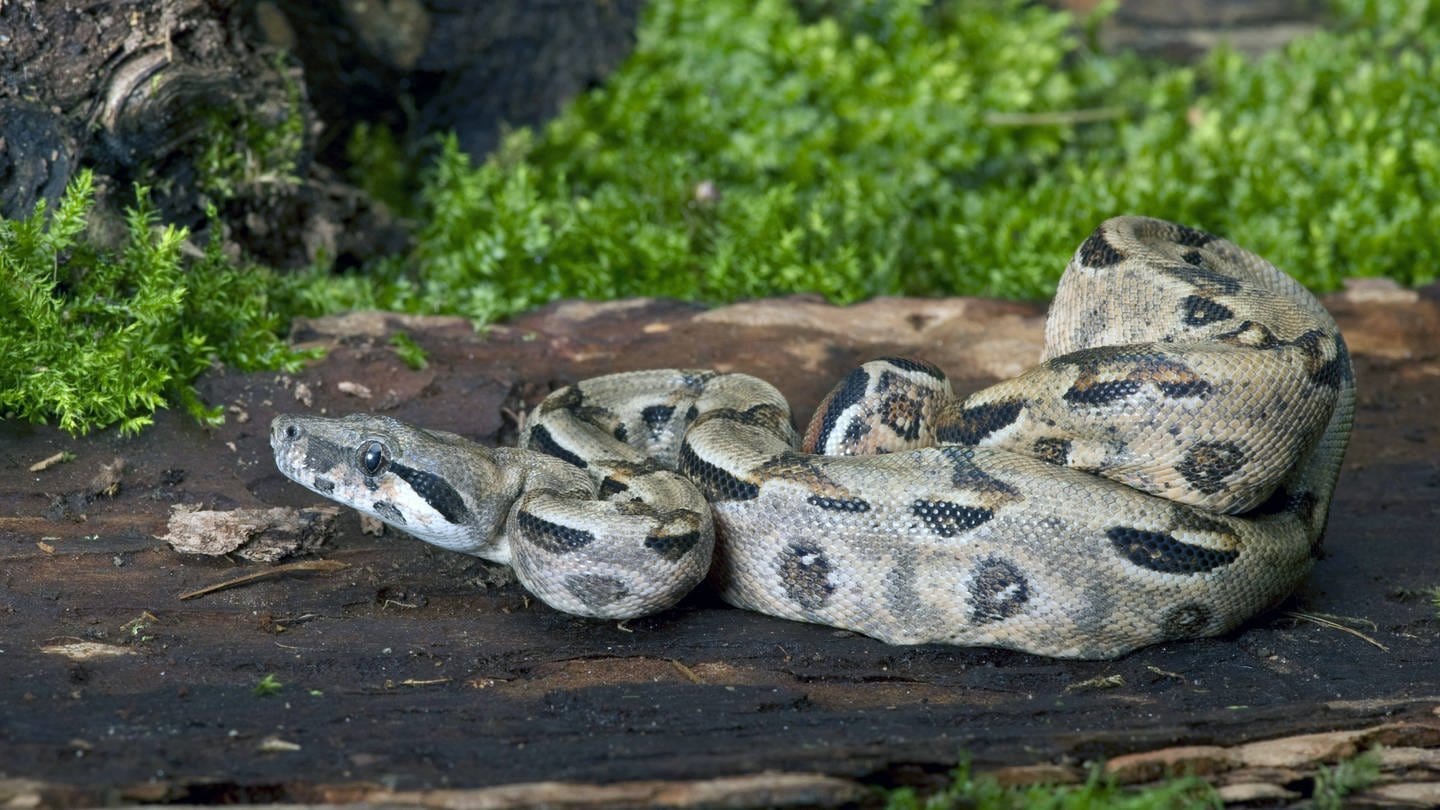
409, 352
980, 792
243, 148
1333, 784
94, 338
746, 149
380, 166
267, 686
967, 790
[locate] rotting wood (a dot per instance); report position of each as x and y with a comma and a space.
489, 688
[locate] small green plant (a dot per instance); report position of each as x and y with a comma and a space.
1333, 784
267, 686
1435, 600
244, 148
973, 792
95, 337
136, 628
410, 352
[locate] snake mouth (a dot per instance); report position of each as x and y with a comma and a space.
289, 442
284, 430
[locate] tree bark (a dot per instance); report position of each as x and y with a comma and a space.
247, 105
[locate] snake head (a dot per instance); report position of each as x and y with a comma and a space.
436, 486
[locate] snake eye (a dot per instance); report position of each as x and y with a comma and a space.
374, 458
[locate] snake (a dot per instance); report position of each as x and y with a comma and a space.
1163, 472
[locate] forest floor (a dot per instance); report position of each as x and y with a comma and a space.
387, 671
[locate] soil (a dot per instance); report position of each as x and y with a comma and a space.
402, 668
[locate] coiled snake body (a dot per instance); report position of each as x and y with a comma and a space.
1164, 472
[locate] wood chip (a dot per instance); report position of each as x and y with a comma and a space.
1306, 749
47, 462
1402, 794
758, 790
690, 674
1378, 290
1148, 766
354, 389
86, 650
275, 745
1096, 684
261, 535
1255, 792
418, 682
1026, 775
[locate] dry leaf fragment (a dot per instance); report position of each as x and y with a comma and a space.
262, 535
107, 479
275, 745
47, 462
354, 389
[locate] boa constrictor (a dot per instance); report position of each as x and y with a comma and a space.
1164, 472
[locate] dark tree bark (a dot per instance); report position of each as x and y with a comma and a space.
248, 104
159, 94
468, 66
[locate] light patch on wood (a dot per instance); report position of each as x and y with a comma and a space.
768, 789
275, 745
86, 650
47, 462
354, 389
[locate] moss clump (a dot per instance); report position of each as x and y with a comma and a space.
962, 148
267, 686
380, 166
412, 354
1334, 783
93, 338
243, 149
967, 790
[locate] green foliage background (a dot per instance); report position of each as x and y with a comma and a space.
93, 337
954, 148
845, 147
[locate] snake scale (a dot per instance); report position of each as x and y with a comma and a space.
1164, 472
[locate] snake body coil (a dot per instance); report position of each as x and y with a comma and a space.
1164, 472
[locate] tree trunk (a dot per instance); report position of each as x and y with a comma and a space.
229, 103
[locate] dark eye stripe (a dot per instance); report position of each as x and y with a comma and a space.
440, 495
1162, 552
540, 439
